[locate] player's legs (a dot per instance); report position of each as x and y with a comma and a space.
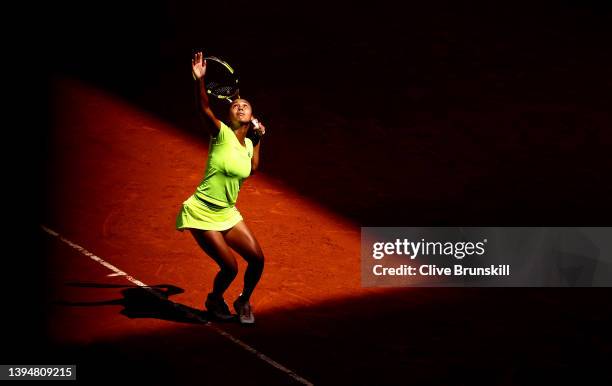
213, 243
242, 240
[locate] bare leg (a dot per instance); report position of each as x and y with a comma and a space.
213, 243
243, 241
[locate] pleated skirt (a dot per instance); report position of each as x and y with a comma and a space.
200, 214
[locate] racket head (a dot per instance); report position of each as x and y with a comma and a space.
221, 79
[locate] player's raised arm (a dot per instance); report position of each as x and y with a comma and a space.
198, 68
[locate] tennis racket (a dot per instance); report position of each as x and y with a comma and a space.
221, 81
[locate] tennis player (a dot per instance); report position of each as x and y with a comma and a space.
211, 214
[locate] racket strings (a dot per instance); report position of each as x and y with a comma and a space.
220, 82
222, 89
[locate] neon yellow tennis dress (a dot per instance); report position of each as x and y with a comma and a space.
213, 205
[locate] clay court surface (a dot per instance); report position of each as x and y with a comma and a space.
117, 179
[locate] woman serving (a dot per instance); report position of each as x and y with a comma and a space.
211, 214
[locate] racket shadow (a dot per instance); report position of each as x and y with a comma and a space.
144, 302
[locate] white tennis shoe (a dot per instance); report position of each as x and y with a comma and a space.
244, 311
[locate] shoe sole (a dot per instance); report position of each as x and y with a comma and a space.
250, 321
221, 316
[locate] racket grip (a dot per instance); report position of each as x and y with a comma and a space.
255, 139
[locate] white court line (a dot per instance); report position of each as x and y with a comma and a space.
118, 272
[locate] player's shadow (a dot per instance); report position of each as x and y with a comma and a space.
145, 302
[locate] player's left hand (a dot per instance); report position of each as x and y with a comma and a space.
260, 129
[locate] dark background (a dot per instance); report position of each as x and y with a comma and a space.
412, 114
478, 113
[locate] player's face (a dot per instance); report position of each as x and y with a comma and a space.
240, 111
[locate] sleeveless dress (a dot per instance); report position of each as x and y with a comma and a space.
213, 205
